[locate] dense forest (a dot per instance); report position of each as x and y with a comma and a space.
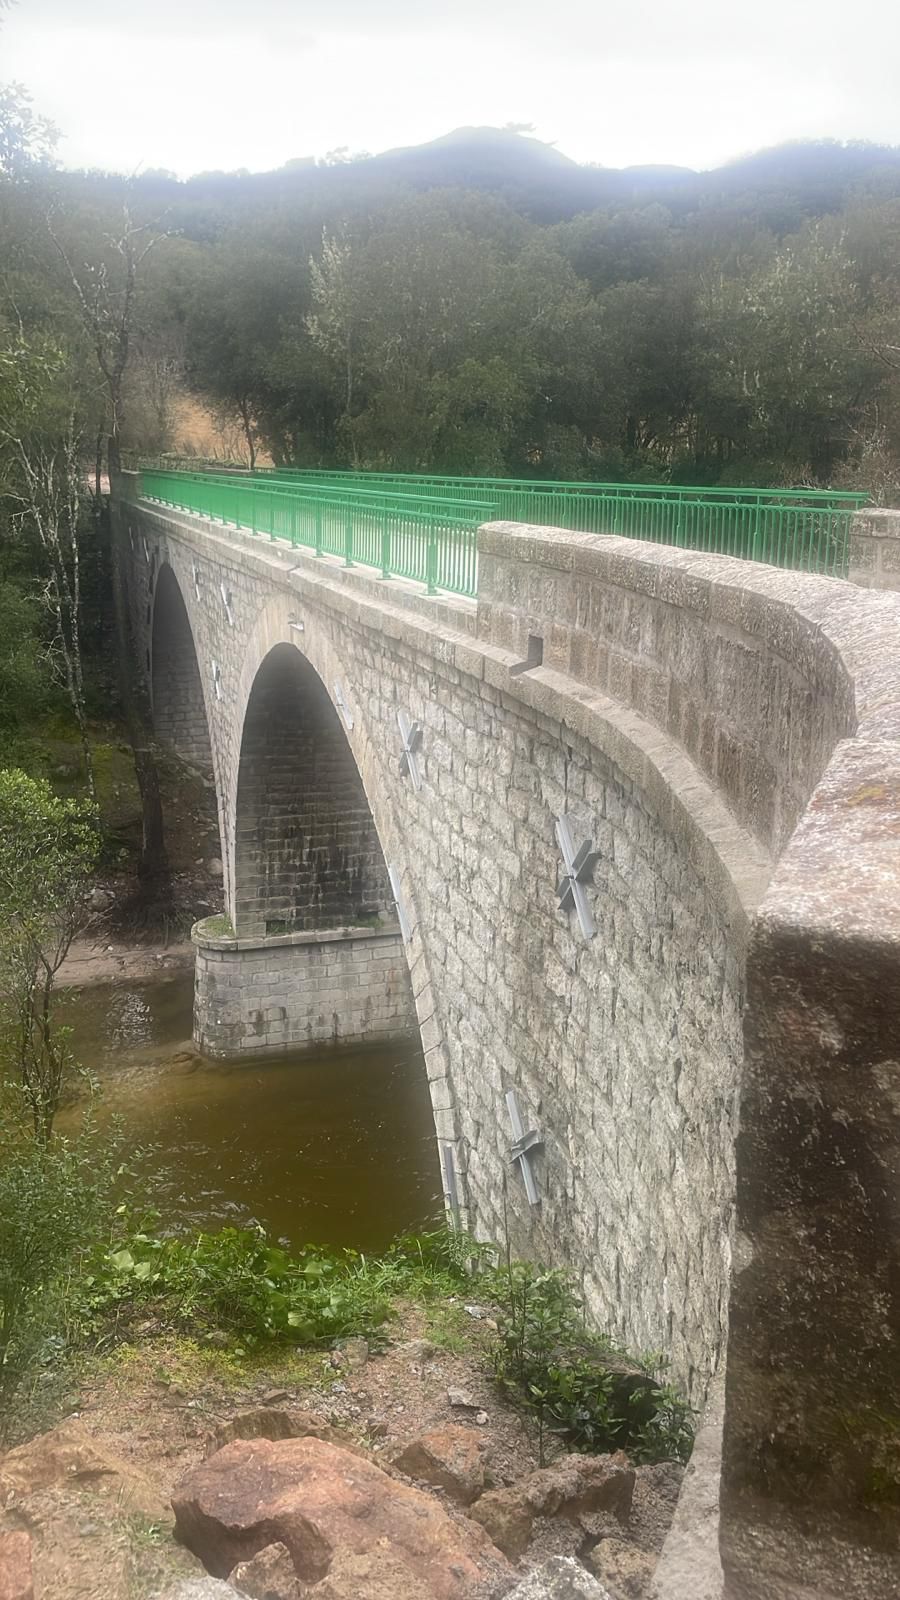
481, 304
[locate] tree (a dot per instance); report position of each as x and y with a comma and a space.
105, 293
48, 853
40, 447
27, 141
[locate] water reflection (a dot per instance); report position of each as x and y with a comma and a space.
335, 1147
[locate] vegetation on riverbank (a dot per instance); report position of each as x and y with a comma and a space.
238, 1295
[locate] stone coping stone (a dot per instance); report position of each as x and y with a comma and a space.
304, 936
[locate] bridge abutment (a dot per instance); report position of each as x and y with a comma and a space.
287, 991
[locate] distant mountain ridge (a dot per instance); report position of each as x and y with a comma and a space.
548, 186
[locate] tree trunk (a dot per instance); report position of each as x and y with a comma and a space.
247, 422
153, 866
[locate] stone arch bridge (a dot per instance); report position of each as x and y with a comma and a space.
621, 839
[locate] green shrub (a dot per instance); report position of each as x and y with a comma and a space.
55, 1202
579, 1387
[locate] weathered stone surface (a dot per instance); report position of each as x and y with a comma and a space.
68, 1455
16, 1581
561, 1578
198, 1589
690, 1567
317, 1500
625, 1570
267, 1422
572, 1487
506, 1520
269, 1575
376, 1575
449, 1458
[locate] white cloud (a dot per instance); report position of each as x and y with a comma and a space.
195, 84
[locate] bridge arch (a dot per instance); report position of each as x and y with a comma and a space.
180, 716
307, 851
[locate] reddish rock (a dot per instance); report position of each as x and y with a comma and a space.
505, 1519
572, 1487
268, 1423
626, 1570
269, 1575
447, 1458
16, 1582
68, 1455
378, 1575
322, 1501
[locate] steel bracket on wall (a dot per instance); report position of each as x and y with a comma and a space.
579, 866
412, 734
525, 1142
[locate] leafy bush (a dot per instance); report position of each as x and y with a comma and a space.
238, 1282
48, 850
578, 1385
55, 1202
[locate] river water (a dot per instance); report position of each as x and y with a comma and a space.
331, 1147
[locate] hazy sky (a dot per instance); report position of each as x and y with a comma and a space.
200, 84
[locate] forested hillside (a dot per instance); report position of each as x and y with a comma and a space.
481, 304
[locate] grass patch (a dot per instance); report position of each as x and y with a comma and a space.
220, 927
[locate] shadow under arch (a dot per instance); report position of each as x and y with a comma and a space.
176, 689
307, 850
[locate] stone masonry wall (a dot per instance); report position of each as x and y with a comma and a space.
179, 714
334, 987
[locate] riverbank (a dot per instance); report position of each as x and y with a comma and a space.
99, 959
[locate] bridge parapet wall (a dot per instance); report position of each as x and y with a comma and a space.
756, 673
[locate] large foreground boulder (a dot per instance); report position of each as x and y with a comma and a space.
323, 1502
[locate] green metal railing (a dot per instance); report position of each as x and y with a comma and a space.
429, 539
423, 526
807, 529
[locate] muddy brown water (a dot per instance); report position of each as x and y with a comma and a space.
332, 1146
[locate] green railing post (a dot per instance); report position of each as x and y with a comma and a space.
348, 537
431, 560
318, 535
385, 543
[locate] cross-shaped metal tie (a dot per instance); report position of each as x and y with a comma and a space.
226, 601
411, 733
579, 864
522, 1146
195, 573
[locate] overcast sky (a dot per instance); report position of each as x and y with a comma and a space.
200, 84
